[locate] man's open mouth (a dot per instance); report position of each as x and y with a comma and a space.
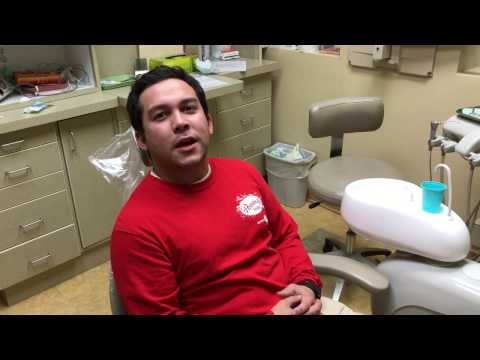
185, 142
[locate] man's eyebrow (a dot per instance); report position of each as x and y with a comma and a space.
193, 99
157, 107
163, 106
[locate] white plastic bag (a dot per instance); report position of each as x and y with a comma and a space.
120, 163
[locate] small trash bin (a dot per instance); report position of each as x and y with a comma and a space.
288, 178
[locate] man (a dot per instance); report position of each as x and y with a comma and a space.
200, 235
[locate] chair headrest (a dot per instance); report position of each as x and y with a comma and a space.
345, 115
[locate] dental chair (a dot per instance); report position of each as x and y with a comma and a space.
429, 273
328, 179
116, 303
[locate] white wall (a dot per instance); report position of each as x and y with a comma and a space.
410, 104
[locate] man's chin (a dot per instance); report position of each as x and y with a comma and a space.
190, 160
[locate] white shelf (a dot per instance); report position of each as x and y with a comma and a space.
17, 98
49, 58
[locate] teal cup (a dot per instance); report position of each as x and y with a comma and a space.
432, 196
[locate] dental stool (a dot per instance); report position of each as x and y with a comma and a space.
328, 179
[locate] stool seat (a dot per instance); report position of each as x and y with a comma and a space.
328, 179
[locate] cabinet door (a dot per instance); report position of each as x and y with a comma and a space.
96, 201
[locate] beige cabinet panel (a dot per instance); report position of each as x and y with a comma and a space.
28, 164
212, 106
38, 255
27, 138
31, 190
35, 218
247, 144
123, 126
122, 119
213, 149
121, 114
254, 89
233, 122
258, 161
96, 202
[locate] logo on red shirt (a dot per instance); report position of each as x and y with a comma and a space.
249, 205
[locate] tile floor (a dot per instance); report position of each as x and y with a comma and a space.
87, 293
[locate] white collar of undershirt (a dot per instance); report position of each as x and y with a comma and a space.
196, 182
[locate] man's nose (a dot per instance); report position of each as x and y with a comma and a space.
179, 123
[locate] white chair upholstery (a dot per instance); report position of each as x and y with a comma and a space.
115, 301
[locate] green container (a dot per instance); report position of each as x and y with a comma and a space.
183, 61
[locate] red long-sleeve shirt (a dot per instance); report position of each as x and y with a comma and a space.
222, 246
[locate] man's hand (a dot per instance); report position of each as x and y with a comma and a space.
315, 309
308, 305
285, 306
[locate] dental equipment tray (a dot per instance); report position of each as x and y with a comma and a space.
470, 113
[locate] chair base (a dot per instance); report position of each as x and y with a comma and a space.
331, 244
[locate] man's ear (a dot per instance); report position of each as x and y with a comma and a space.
210, 123
143, 150
140, 139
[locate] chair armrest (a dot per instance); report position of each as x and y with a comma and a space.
360, 274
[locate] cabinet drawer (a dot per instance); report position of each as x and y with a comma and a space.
258, 161
38, 255
35, 218
28, 164
31, 190
27, 138
230, 123
254, 89
246, 145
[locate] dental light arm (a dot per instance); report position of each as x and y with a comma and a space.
351, 270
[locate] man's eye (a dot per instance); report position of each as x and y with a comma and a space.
190, 108
160, 116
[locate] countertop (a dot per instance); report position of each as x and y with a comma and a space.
16, 119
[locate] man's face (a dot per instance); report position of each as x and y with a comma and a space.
176, 129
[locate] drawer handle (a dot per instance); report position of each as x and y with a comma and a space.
247, 123
18, 173
247, 92
33, 225
248, 149
40, 260
13, 146
73, 146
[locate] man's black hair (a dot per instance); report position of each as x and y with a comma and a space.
134, 108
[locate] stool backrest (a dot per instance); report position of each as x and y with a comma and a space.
345, 115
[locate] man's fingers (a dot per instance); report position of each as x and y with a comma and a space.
288, 291
303, 307
292, 300
315, 309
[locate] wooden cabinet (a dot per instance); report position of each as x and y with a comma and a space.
38, 255
36, 213
242, 126
96, 202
